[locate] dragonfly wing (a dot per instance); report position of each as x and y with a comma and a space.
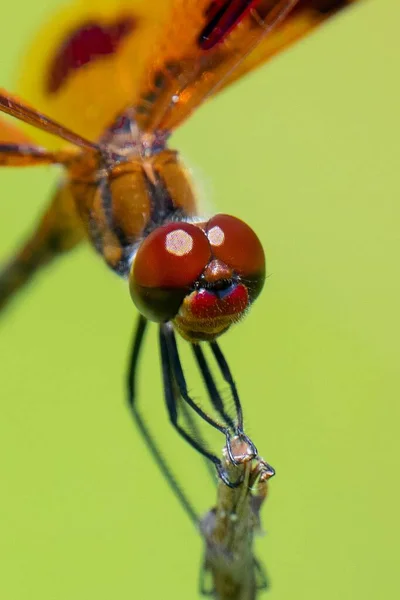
86, 63
165, 57
18, 150
303, 19
196, 68
10, 133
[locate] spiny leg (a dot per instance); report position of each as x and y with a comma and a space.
227, 375
57, 232
190, 422
141, 425
212, 389
167, 334
27, 155
59, 229
215, 397
170, 398
173, 377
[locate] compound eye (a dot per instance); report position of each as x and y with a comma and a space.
166, 265
235, 243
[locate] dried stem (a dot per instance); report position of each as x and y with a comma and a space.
229, 528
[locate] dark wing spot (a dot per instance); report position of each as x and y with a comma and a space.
222, 17
326, 6
323, 7
84, 45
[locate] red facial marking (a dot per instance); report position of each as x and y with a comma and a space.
85, 45
223, 16
210, 305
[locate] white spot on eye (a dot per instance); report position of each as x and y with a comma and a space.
216, 236
179, 242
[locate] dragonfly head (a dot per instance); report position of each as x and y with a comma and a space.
201, 276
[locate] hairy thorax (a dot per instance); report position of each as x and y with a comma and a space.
121, 196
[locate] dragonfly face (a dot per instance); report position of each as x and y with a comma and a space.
201, 276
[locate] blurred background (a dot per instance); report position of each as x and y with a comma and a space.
307, 151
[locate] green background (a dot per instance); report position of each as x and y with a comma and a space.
307, 151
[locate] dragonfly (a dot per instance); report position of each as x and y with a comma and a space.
105, 85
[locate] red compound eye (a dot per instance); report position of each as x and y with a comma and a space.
235, 243
166, 265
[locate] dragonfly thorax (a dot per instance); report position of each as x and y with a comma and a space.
125, 140
122, 200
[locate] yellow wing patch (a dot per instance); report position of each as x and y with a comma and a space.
91, 96
94, 59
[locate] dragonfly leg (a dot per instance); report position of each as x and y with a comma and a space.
170, 398
174, 386
141, 424
217, 402
167, 336
58, 231
27, 155
227, 375
190, 422
213, 393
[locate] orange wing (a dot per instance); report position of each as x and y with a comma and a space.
10, 133
18, 150
95, 58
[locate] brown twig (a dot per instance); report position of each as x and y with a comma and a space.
228, 529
